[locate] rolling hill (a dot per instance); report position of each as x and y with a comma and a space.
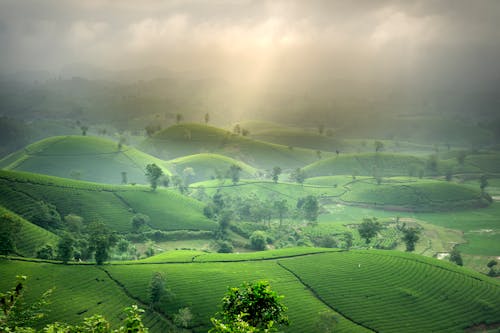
209, 166
83, 158
366, 164
188, 139
29, 195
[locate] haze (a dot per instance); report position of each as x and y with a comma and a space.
334, 52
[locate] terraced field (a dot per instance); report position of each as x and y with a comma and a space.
366, 164
31, 237
83, 157
412, 295
113, 205
208, 166
366, 291
188, 139
79, 291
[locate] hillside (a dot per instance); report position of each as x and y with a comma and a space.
188, 139
29, 195
83, 158
395, 193
209, 166
30, 237
365, 291
366, 164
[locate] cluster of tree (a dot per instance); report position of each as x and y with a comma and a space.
238, 130
81, 241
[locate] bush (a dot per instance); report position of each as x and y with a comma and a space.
258, 240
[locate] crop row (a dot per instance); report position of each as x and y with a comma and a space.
78, 292
391, 294
201, 287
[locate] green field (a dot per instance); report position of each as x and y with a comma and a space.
209, 166
113, 205
384, 291
83, 158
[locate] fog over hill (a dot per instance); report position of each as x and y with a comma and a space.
270, 59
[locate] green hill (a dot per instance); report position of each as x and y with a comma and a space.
366, 164
292, 136
414, 195
30, 237
208, 166
84, 158
365, 291
188, 139
29, 194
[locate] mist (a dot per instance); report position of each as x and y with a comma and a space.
256, 57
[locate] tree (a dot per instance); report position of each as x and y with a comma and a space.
153, 173
298, 175
157, 289
253, 307
139, 221
491, 265
237, 129
410, 237
258, 240
183, 318
318, 153
281, 209
368, 229
456, 257
9, 233
207, 118
84, 129
124, 177
310, 207
483, 182
379, 145
224, 218
461, 157
178, 118
276, 174
234, 173
65, 250
101, 239
46, 252
347, 244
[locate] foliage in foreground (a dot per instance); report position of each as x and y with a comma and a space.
250, 308
17, 316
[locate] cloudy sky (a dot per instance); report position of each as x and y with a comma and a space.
446, 41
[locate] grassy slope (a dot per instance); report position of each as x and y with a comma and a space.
189, 139
206, 166
78, 292
84, 157
365, 164
414, 194
395, 292
114, 205
383, 290
31, 237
